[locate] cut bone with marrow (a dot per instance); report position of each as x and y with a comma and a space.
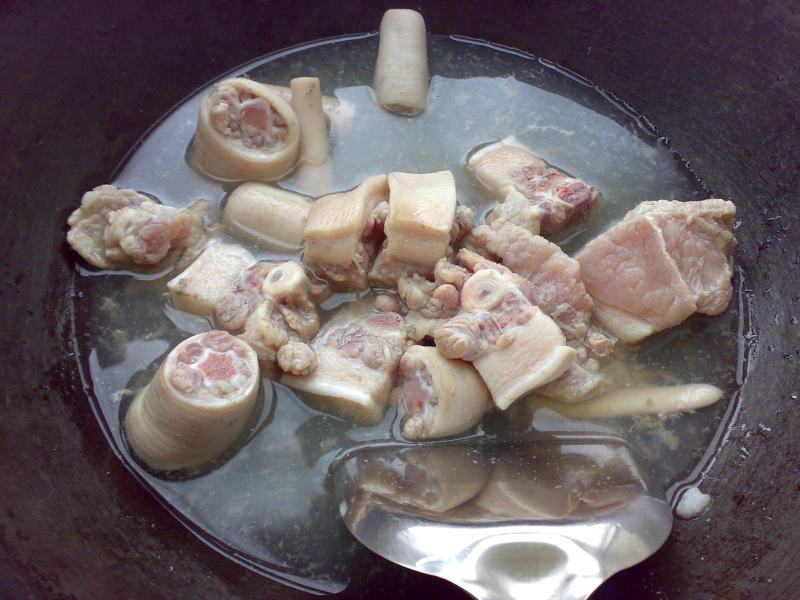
531, 193
661, 264
122, 229
215, 274
196, 405
358, 353
401, 70
515, 347
245, 131
440, 396
287, 315
343, 232
267, 215
419, 226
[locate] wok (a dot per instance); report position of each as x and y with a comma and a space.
82, 81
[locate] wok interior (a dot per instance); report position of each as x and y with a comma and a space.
720, 84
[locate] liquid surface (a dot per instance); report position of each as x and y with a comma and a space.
269, 502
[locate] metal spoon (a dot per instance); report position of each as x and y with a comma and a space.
548, 516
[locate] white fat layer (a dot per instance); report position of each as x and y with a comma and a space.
693, 502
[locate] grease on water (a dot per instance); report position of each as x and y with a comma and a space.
268, 503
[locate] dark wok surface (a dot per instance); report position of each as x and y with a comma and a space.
82, 81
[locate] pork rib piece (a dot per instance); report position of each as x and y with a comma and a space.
531, 194
197, 403
120, 228
358, 353
419, 226
514, 346
662, 263
343, 232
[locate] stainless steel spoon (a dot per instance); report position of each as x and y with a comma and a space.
546, 516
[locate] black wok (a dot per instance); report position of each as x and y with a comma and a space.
82, 81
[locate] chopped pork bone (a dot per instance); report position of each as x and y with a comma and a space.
662, 263
358, 353
531, 194
515, 347
120, 228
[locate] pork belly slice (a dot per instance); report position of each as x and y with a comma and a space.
440, 396
215, 274
358, 352
698, 238
662, 263
531, 194
419, 225
121, 229
515, 347
343, 232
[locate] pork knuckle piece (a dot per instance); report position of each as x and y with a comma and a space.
358, 352
419, 226
342, 234
440, 396
266, 215
514, 346
196, 405
232, 309
120, 228
659, 265
531, 194
215, 274
245, 131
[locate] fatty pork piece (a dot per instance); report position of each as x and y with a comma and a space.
358, 353
215, 274
663, 262
196, 405
531, 194
515, 347
286, 316
245, 131
440, 396
343, 232
419, 226
120, 229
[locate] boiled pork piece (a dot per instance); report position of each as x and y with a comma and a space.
122, 229
659, 265
419, 226
215, 274
358, 353
531, 193
343, 233
440, 396
196, 405
515, 347
245, 131
287, 315
267, 215
698, 238
232, 309
307, 105
401, 70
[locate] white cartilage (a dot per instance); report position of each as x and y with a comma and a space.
339, 244
307, 105
267, 215
215, 274
196, 405
245, 131
628, 401
329, 103
401, 70
441, 396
